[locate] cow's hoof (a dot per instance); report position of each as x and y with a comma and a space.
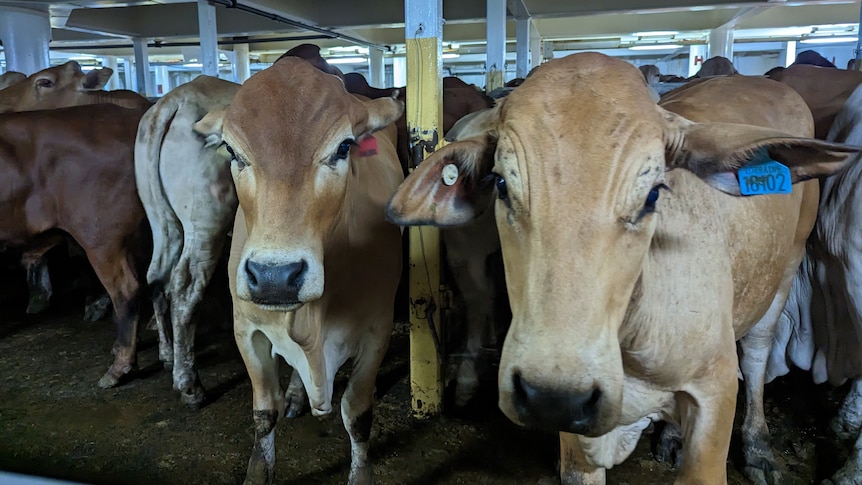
361, 476
114, 375
37, 305
763, 472
194, 399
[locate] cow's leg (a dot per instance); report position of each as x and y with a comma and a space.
38, 277
669, 447
357, 404
575, 468
477, 290
189, 281
706, 411
262, 367
760, 465
296, 397
116, 270
38, 282
162, 317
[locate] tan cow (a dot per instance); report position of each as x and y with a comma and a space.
824, 89
313, 266
632, 265
9, 78
186, 189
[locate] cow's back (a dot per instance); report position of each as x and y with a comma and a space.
67, 165
825, 90
753, 238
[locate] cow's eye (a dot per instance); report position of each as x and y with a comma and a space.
343, 150
44, 83
652, 198
502, 190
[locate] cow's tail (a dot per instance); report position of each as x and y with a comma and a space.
166, 227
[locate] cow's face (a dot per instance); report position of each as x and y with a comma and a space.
577, 157
51, 88
292, 132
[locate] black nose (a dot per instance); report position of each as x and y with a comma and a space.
275, 284
553, 409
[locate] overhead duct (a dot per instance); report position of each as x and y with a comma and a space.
278, 18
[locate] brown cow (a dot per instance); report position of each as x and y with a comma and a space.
71, 169
824, 89
632, 262
314, 266
58, 87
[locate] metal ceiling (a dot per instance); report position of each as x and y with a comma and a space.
380, 22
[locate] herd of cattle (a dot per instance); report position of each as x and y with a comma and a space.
646, 269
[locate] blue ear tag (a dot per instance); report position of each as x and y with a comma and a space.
764, 176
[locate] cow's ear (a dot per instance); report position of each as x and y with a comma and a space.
475, 123
449, 188
379, 114
716, 152
96, 79
210, 126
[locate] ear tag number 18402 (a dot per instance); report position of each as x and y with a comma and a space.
766, 177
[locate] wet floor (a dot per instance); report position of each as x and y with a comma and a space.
55, 421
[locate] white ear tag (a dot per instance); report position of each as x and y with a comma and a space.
450, 174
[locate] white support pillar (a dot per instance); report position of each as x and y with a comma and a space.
495, 24
522, 47
25, 34
129, 73
535, 48
376, 68
243, 64
721, 43
399, 72
163, 80
696, 56
790, 53
209, 38
144, 84
114, 80
547, 50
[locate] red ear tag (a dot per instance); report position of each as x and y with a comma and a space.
368, 146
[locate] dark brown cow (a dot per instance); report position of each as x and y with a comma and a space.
824, 89
72, 169
59, 87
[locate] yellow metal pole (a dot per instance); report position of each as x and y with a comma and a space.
424, 32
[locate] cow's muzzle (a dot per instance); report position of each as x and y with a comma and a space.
555, 409
276, 284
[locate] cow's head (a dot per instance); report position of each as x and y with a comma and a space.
577, 158
54, 87
292, 132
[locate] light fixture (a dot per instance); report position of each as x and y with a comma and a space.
451, 55
654, 47
193, 64
346, 60
656, 33
827, 40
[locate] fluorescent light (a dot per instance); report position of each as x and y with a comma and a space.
346, 60
828, 40
193, 64
654, 47
451, 55
655, 33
